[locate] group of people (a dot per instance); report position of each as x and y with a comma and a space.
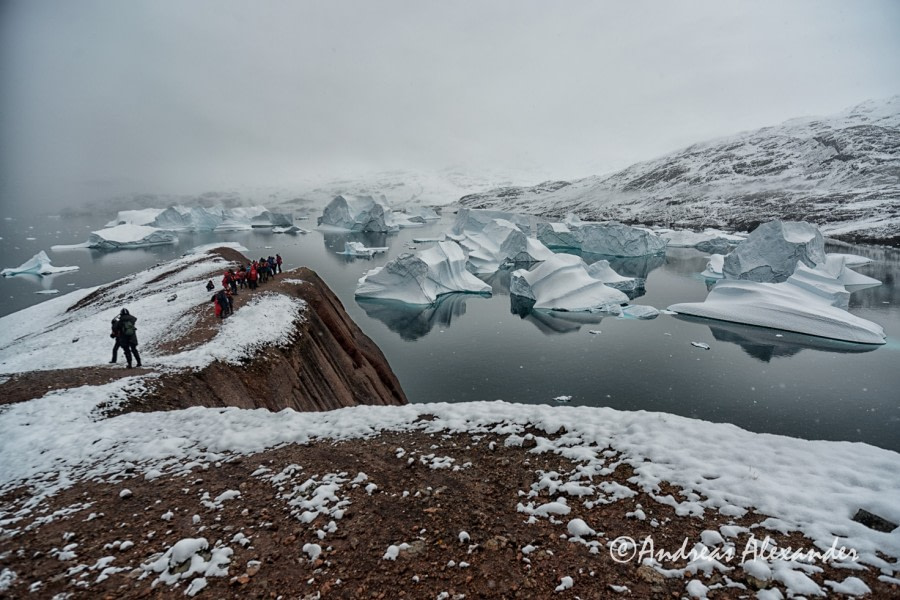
246, 276
124, 329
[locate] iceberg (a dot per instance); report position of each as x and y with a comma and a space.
401, 220
556, 235
268, 218
616, 239
501, 243
421, 277
424, 213
713, 268
474, 220
803, 304
709, 240
357, 249
291, 229
640, 311
143, 216
562, 282
39, 264
124, 237
354, 213
601, 271
772, 251
851, 260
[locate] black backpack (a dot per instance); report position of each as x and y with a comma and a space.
128, 327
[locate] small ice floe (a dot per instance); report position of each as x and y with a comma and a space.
700, 345
47, 292
594, 331
563, 398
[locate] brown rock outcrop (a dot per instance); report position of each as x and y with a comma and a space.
330, 364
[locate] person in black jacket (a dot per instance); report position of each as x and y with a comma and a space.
114, 333
128, 336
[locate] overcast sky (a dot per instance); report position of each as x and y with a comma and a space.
182, 96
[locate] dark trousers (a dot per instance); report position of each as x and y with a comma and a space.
130, 349
116, 351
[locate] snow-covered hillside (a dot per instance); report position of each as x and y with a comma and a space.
841, 172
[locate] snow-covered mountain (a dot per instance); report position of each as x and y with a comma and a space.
840, 172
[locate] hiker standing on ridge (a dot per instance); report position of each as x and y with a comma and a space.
127, 336
114, 333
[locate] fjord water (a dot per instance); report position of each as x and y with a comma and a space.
484, 348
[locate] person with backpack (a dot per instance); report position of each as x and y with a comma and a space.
278, 262
114, 333
127, 336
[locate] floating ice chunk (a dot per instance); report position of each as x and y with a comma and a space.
401, 220
47, 292
640, 311
771, 252
563, 398
355, 213
39, 264
291, 229
785, 306
499, 243
557, 235
714, 267
357, 249
616, 239
850, 260
421, 277
702, 345
710, 240
562, 283
602, 271
268, 218
838, 266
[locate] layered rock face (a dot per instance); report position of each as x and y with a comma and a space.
330, 364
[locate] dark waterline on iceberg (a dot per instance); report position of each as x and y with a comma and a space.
468, 347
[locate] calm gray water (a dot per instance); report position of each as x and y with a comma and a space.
480, 348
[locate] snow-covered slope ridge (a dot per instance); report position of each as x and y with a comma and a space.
840, 172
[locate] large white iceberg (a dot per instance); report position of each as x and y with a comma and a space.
142, 216
355, 213
786, 306
421, 277
562, 282
616, 239
501, 243
39, 264
124, 237
771, 252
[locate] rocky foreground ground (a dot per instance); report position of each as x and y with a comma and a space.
399, 515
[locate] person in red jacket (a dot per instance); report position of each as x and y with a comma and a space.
278, 262
253, 276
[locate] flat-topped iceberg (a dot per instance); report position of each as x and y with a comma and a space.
786, 306
421, 277
355, 213
562, 282
771, 252
124, 237
141, 216
501, 243
291, 229
39, 264
424, 213
357, 249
